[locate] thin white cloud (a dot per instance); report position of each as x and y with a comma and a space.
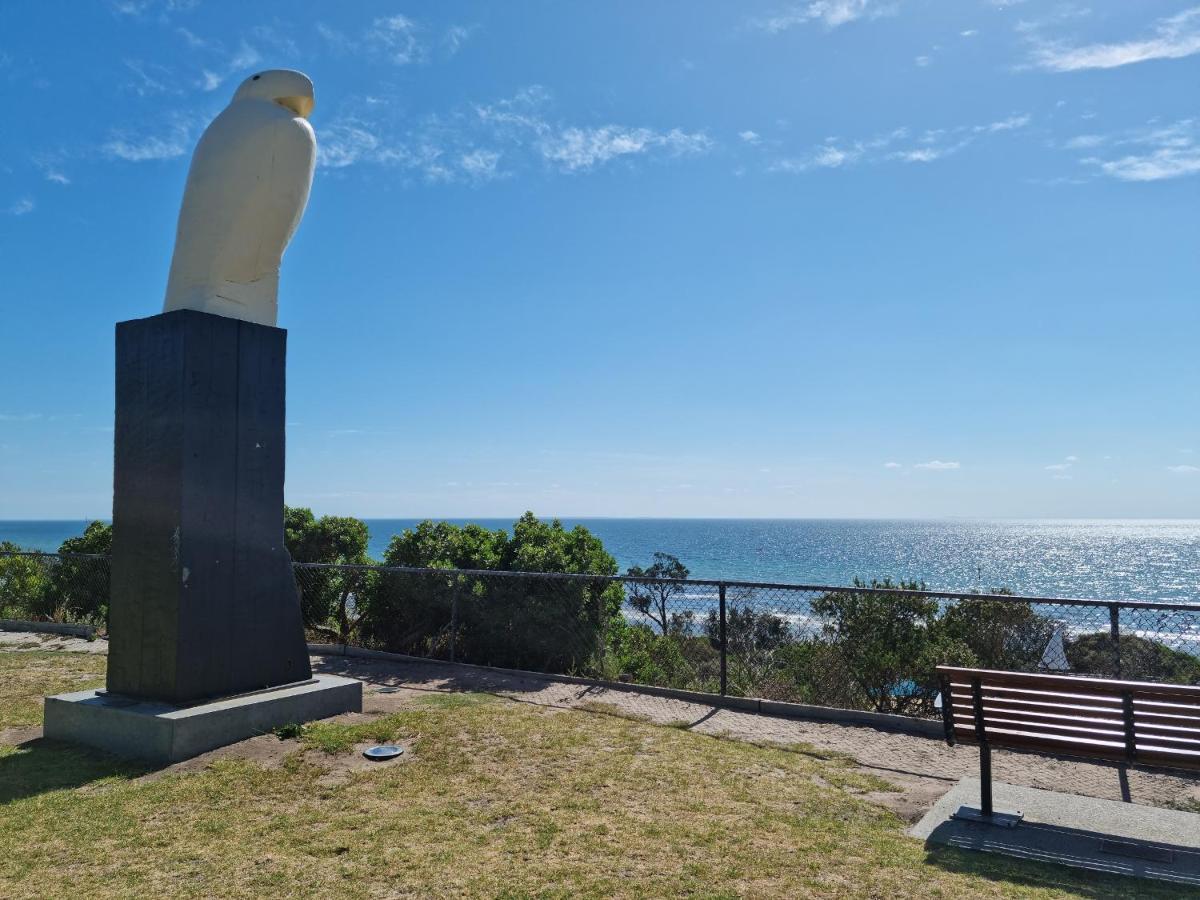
243, 58
1008, 124
481, 165
892, 465
1084, 142
396, 38
150, 79
970, 32
344, 144
469, 144
574, 148
50, 165
923, 61
897, 145
1058, 467
1072, 459
1184, 469
750, 137
139, 8
830, 13
455, 37
337, 40
22, 207
1154, 153
938, 465
193, 40
1173, 37
175, 141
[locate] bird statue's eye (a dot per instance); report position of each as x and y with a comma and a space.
256, 77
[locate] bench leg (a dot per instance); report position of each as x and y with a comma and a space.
986, 814
985, 780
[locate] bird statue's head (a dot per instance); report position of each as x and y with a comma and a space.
289, 89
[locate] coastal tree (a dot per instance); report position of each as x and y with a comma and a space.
79, 582
549, 624
653, 598
328, 597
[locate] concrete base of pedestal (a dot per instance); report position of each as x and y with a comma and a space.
161, 733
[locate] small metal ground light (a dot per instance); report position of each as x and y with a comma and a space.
383, 752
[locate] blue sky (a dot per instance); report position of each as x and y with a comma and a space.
825, 258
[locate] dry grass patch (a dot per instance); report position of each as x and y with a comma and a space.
497, 799
27, 676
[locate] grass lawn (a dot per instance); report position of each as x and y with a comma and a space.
494, 798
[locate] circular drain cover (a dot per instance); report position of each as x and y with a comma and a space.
388, 690
387, 751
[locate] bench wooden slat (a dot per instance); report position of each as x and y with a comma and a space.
1100, 713
1000, 692
1065, 731
1161, 707
1047, 717
1006, 737
1071, 683
1067, 726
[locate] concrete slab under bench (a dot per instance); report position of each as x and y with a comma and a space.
1081, 832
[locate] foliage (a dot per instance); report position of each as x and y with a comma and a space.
328, 596
543, 624
889, 644
1141, 659
23, 581
752, 639
79, 589
1000, 635
637, 653
653, 600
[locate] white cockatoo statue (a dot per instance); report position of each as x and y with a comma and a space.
246, 191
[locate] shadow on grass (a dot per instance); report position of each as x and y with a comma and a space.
1049, 876
40, 766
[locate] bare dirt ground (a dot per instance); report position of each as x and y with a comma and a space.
922, 769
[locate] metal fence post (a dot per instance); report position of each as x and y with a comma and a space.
1114, 630
724, 650
454, 618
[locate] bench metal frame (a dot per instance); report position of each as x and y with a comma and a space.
1089, 715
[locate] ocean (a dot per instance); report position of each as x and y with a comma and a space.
1111, 559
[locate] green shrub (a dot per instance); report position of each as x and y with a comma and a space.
23, 582
328, 596
1141, 659
79, 588
889, 645
1000, 635
543, 624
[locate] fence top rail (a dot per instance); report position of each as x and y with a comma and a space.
707, 582
766, 585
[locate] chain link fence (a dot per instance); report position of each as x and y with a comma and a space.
868, 647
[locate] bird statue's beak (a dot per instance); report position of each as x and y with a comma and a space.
301, 106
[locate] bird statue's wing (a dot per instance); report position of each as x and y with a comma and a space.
246, 191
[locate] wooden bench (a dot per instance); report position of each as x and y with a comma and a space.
1131, 722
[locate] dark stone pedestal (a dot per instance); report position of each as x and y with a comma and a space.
204, 603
